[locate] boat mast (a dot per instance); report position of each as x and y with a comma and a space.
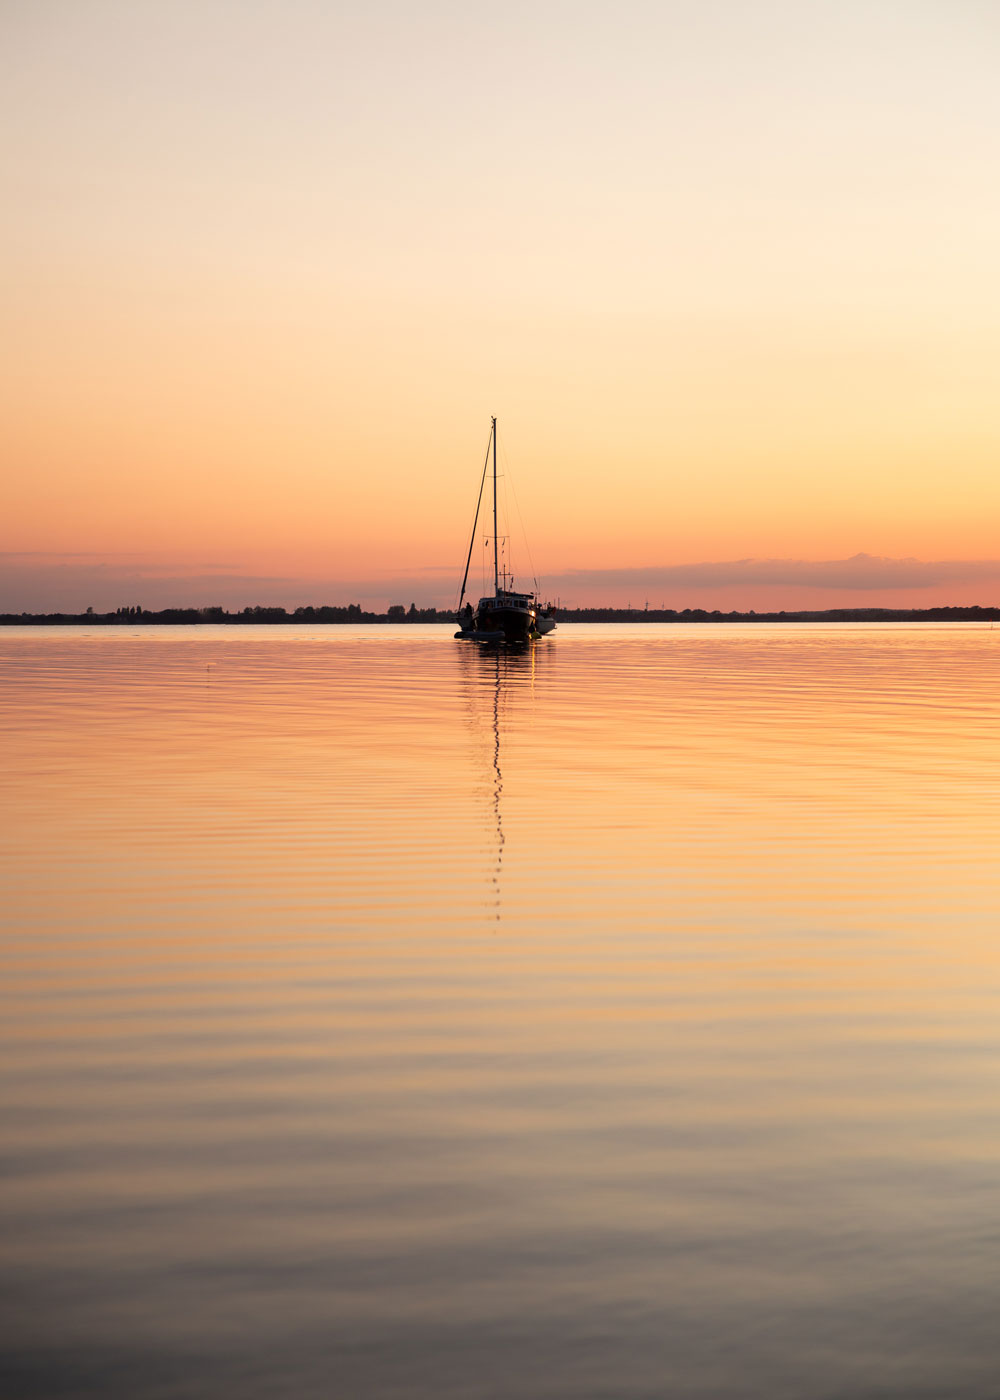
496, 562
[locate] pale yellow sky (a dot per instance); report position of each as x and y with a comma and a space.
725, 272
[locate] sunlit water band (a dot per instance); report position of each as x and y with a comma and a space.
385, 1016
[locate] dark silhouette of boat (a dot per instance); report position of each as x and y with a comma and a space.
507, 615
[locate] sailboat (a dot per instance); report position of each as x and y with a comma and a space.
506, 615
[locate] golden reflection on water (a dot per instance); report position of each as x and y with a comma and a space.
389, 1015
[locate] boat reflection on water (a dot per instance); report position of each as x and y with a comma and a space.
497, 779
496, 681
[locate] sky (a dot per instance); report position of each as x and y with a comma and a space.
724, 271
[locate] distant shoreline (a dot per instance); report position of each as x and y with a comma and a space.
353, 615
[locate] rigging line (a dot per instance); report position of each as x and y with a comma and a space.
472, 538
520, 517
508, 538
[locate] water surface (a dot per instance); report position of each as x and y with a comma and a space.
382, 1016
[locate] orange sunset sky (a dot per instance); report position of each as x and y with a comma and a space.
726, 273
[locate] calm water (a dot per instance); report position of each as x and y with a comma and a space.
382, 1017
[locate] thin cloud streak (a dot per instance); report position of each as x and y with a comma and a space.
64, 583
863, 572
71, 583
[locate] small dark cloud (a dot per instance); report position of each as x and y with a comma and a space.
862, 572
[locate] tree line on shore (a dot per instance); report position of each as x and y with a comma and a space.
398, 613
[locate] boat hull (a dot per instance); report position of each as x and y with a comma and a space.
505, 616
516, 624
471, 635
499, 627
